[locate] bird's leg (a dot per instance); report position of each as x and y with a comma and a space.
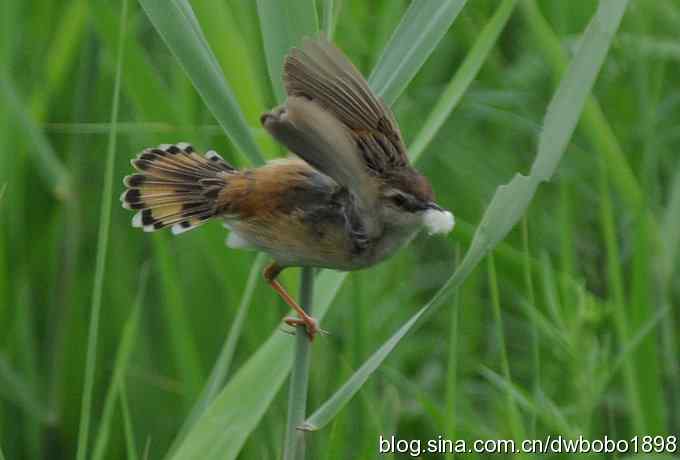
270, 273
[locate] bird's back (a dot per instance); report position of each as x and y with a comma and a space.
296, 214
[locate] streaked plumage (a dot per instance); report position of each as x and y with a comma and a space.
349, 202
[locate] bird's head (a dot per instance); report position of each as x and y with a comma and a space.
408, 201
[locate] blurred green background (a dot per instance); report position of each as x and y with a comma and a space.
586, 284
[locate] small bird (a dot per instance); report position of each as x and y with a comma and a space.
348, 201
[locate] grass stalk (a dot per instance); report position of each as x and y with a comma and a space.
220, 371
100, 263
451, 367
180, 334
514, 420
50, 167
130, 444
20, 392
615, 282
594, 122
531, 298
462, 79
294, 447
328, 24
125, 348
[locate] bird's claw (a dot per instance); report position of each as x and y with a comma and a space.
311, 326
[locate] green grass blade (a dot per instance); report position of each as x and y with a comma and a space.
125, 347
332, 406
595, 124
234, 54
220, 370
462, 79
294, 444
543, 409
175, 22
283, 25
62, 54
511, 200
513, 417
615, 280
670, 233
48, 165
452, 365
642, 308
16, 390
670, 240
420, 30
130, 444
100, 262
28, 359
226, 424
142, 83
531, 308
181, 336
328, 18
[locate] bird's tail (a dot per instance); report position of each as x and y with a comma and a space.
175, 186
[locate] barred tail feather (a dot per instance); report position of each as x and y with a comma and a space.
174, 187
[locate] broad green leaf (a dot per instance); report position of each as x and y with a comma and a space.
510, 201
463, 78
175, 22
420, 30
283, 25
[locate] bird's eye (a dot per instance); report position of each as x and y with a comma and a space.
399, 200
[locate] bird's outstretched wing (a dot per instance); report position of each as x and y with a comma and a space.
320, 72
333, 121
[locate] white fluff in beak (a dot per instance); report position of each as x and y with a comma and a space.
438, 221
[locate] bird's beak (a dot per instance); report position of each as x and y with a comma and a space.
437, 219
435, 206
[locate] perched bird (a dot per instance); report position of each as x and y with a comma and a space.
349, 201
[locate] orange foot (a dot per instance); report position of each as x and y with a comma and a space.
311, 326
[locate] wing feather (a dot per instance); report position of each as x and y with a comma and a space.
320, 72
321, 140
334, 122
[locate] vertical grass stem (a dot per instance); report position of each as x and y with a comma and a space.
294, 447
100, 264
